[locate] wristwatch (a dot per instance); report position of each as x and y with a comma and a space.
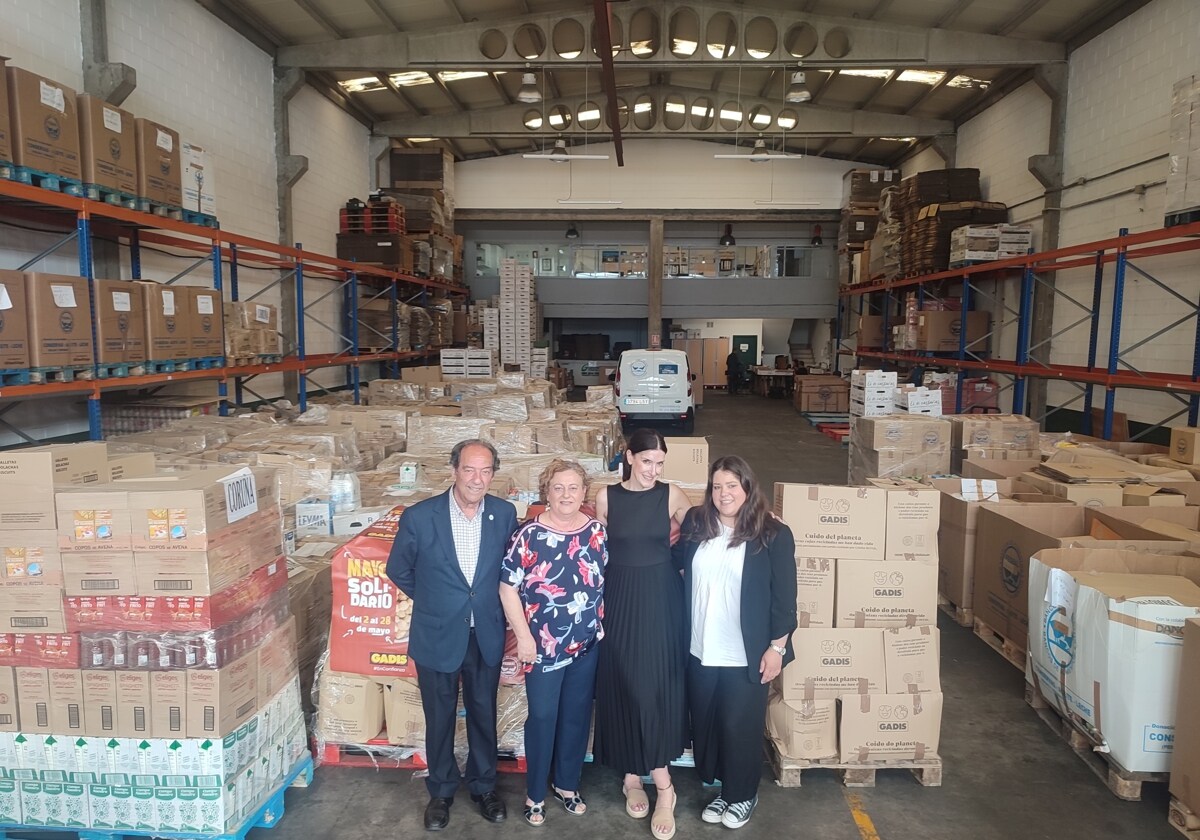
780, 649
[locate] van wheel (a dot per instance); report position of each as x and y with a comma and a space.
689, 422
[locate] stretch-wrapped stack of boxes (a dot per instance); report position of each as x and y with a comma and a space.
897, 446
872, 393
252, 329
147, 652
984, 437
519, 322
867, 643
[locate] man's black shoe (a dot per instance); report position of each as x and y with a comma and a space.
491, 806
437, 814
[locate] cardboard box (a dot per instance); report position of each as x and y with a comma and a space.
901, 431
403, 713
842, 522
1174, 523
1085, 494
994, 430
961, 498
1147, 495
32, 609
100, 703
1107, 633
888, 593
276, 661
221, 700
93, 518
33, 699
199, 180
997, 469
803, 729
120, 323
66, 700
815, 583
1007, 536
44, 124
1185, 761
912, 656
206, 336
28, 477
134, 714
30, 558
687, 460
165, 309
351, 709
192, 511
9, 715
168, 704
831, 662
60, 320
890, 727
133, 465
870, 332
912, 524
159, 165
1185, 445
14, 320
99, 573
107, 145
941, 330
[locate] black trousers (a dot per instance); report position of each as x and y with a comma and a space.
728, 717
439, 699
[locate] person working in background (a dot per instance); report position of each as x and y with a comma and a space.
735, 372
446, 558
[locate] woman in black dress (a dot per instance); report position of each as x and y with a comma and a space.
641, 714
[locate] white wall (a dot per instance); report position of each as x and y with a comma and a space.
922, 161
206, 81
677, 174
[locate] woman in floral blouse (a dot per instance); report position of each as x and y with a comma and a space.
552, 585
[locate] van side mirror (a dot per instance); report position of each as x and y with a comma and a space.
693, 376
612, 377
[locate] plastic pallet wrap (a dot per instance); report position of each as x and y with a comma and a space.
382, 392
512, 438
438, 435
421, 330
504, 408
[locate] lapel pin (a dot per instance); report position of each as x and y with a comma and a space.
490, 517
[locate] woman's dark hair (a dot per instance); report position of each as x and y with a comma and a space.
755, 525
640, 441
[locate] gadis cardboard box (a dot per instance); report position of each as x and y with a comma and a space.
843, 522
890, 727
44, 123
108, 145
403, 713
14, 321
804, 729
60, 321
833, 661
815, 581
912, 656
887, 593
159, 165
120, 323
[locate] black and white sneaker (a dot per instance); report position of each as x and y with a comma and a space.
738, 814
713, 812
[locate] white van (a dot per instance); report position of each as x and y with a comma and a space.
655, 385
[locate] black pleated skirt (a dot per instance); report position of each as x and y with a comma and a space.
641, 711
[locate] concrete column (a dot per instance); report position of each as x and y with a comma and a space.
289, 169
379, 150
112, 82
946, 145
654, 286
1048, 169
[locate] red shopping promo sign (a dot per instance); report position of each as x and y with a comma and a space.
368, 631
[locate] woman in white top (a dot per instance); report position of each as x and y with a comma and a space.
739, 571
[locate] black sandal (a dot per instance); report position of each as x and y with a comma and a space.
573, 804
539, 811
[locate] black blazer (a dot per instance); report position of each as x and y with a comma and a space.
768, 592
423, 564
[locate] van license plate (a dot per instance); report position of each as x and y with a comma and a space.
637, 401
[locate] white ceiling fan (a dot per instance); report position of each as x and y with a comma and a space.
760, 154
561, 154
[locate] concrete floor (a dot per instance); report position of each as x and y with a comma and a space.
1006, 776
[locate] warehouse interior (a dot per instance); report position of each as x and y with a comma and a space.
977, 216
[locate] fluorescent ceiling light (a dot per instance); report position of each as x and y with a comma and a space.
759, 154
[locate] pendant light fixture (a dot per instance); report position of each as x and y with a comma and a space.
529, 93
727, 241
572, 231
798, 91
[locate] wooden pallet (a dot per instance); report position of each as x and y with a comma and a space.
928, 772
962, 617
1184, 819
839, 432
1007, 648
816, 418
1124, 784
67, 373
98, 192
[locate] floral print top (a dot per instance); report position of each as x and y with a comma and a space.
560, 578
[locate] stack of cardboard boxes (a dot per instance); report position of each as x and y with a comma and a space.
146, 644
993, 437
865, 685
872, 393
898, 445
252, 329
820, 394
468, 364
520, 324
